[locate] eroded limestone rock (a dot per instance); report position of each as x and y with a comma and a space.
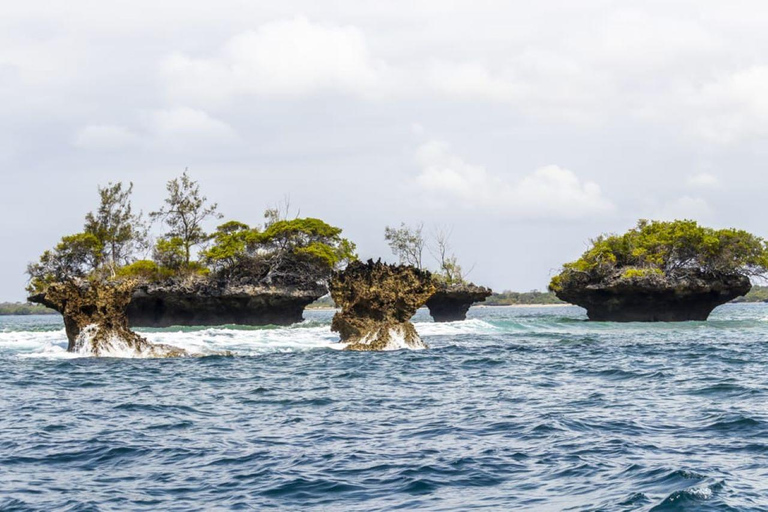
653, 298
201, 300
377, 301
451, 303
95, 319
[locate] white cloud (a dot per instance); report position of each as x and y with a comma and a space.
548, 192
105, 137
686, 207
280, 58
703, 180
176, 128
725, 110
471, 80
188, 123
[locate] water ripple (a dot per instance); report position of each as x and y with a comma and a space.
514, 409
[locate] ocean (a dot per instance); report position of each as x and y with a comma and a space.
512, 409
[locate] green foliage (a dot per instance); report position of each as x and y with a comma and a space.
323, 302
120, 231
75, 256
304, 248
756, 294
633, 272
145, 269
407, 243
170, 253
184, 212
23, 309
111, 236
670, 249
309, 238
534, 297
230, 243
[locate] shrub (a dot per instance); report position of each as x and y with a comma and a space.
676, 248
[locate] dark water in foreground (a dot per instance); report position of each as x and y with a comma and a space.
514, 409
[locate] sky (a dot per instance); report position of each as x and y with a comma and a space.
525, 128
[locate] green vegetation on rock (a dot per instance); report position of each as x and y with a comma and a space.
658, 250
113, 244
408, 244
183, 214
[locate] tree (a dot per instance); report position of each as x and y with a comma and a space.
231, 242
280, 211
120, 231
449, 269
406, 243
75, 256
170, 253
184, 212
674, 249
307, 243
287, 251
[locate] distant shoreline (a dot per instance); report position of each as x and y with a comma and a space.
330, 308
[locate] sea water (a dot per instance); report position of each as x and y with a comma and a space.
512, 409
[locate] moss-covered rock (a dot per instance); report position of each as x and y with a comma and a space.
377, 301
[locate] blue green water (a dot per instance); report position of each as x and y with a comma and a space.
513, 409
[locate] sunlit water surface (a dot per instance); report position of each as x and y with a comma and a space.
513, 409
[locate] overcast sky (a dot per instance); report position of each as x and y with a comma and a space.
528, 127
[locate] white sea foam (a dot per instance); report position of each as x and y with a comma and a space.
53, 344
239, 341
23, 341
396, 341
247, 342
470, 326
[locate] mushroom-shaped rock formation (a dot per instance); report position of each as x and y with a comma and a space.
662, 271
202, 300
450, 303
377, 301
95, 319
655, 298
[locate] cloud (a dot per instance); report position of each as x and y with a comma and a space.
186, 123
686, 207
728, 109
281, 58
548, 192
471, 80
175, 128
105, 137
703, 180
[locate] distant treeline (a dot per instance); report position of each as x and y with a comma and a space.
757, 294
506, 298
509, 298
21, 308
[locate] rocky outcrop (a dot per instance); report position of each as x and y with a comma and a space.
655, 298
201, 300
451, 303
377, 301
95, 319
